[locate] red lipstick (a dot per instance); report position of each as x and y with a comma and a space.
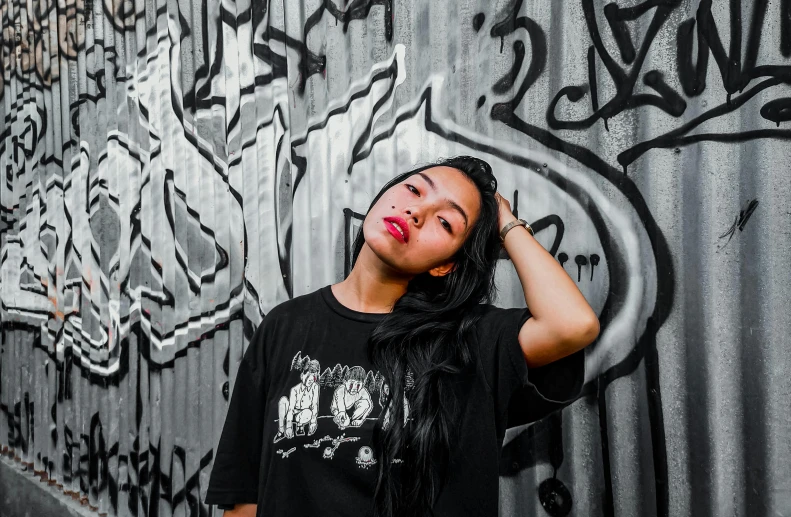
393, 223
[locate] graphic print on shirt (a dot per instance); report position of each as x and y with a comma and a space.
286, 454
329, 452
365, 457
351, 401
385, 391
349, 392
347, 389
301, 409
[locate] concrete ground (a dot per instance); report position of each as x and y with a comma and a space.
24, 495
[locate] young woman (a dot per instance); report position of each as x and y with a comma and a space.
419, 373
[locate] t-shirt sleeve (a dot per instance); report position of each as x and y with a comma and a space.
234, 476
521, 393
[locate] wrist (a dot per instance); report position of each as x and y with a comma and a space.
513, 224
505, 219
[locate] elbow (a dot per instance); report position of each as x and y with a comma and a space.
583, 333
590, 331
593, 331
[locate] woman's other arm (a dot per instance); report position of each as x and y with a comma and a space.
563, 322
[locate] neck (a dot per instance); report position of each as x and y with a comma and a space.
372, 286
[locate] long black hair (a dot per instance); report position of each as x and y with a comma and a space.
419, 346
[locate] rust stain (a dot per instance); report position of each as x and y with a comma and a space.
58, 314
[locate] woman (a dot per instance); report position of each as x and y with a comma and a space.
420, 372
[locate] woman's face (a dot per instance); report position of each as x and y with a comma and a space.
418, 225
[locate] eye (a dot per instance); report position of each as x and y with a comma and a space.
413, 189
446, 225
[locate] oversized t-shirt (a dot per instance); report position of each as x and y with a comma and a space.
297, 438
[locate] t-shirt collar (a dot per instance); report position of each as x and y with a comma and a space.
336, 306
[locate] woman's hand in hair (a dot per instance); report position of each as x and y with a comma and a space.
505, 213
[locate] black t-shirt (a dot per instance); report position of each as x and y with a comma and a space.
298, 432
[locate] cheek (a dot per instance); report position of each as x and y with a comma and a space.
435, 245
385, 205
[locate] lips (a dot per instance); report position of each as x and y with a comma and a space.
398, 228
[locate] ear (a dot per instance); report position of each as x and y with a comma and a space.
442, 270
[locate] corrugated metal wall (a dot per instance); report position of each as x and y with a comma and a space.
171, 170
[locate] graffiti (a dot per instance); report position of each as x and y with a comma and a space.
736, 73
142, 477
171, 174
76, 20
740, 221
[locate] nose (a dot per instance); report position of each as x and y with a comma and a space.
412, 215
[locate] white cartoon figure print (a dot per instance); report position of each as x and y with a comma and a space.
329, 452
351, 401
383, 394
301, 409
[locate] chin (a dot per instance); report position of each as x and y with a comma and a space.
388, 250
385, 248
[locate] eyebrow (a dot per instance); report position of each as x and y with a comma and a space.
452, 204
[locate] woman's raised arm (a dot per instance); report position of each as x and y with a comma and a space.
563, 321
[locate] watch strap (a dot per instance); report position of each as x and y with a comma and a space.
515, 222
